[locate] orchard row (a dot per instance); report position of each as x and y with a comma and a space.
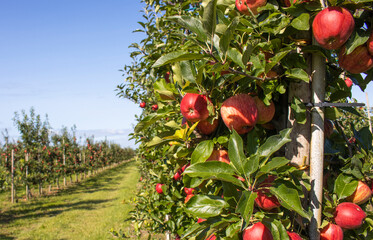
46, 165
43, 156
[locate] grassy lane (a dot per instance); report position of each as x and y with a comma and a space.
87, 210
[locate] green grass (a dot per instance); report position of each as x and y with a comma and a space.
87, 210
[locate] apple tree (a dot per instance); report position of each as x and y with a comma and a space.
235, 87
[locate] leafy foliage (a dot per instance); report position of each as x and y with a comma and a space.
209, 47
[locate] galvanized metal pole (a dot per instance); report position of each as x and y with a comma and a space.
168, 234
27, 187
64, 160
12, 175
317, 144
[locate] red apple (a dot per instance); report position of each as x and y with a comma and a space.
239, 112
155, 107
143, 104
185, 166
265, 113
177, 175
328, 128
348, 215
361, 195
257, 231
240, 178
265, 200
352, 140
167, 77
193, 106
188, 191
206, 128
332, 27
294, 236
370, 43
331, 232
348, 82
212, 237
357, 61
222, 73
219, 155
200, 220
242, 6
158, 188
188, 197
268, 181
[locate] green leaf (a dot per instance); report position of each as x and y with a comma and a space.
235, 151
192, 24
236, 57
277, 229
289, 199
252, 142
233, 229
202, 151
252, 164
148, 120
364, 138
359, 37
209, 18
222, 140
165, 91
205, 206
302, 22
246, 204
228, 34
274, 143
299, 111
332, 113
362, 1
176, 57
297, 73
271, 165
231, 194
155, 141
276, 59
187, 71
345, 186
213, 170
247, 53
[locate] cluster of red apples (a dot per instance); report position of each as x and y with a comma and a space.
154, 106
348, 215
332, 27
240, 112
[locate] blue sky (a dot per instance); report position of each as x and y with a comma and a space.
63, 59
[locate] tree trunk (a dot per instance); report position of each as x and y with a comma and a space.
298, 150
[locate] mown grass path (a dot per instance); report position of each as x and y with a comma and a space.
87, 210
